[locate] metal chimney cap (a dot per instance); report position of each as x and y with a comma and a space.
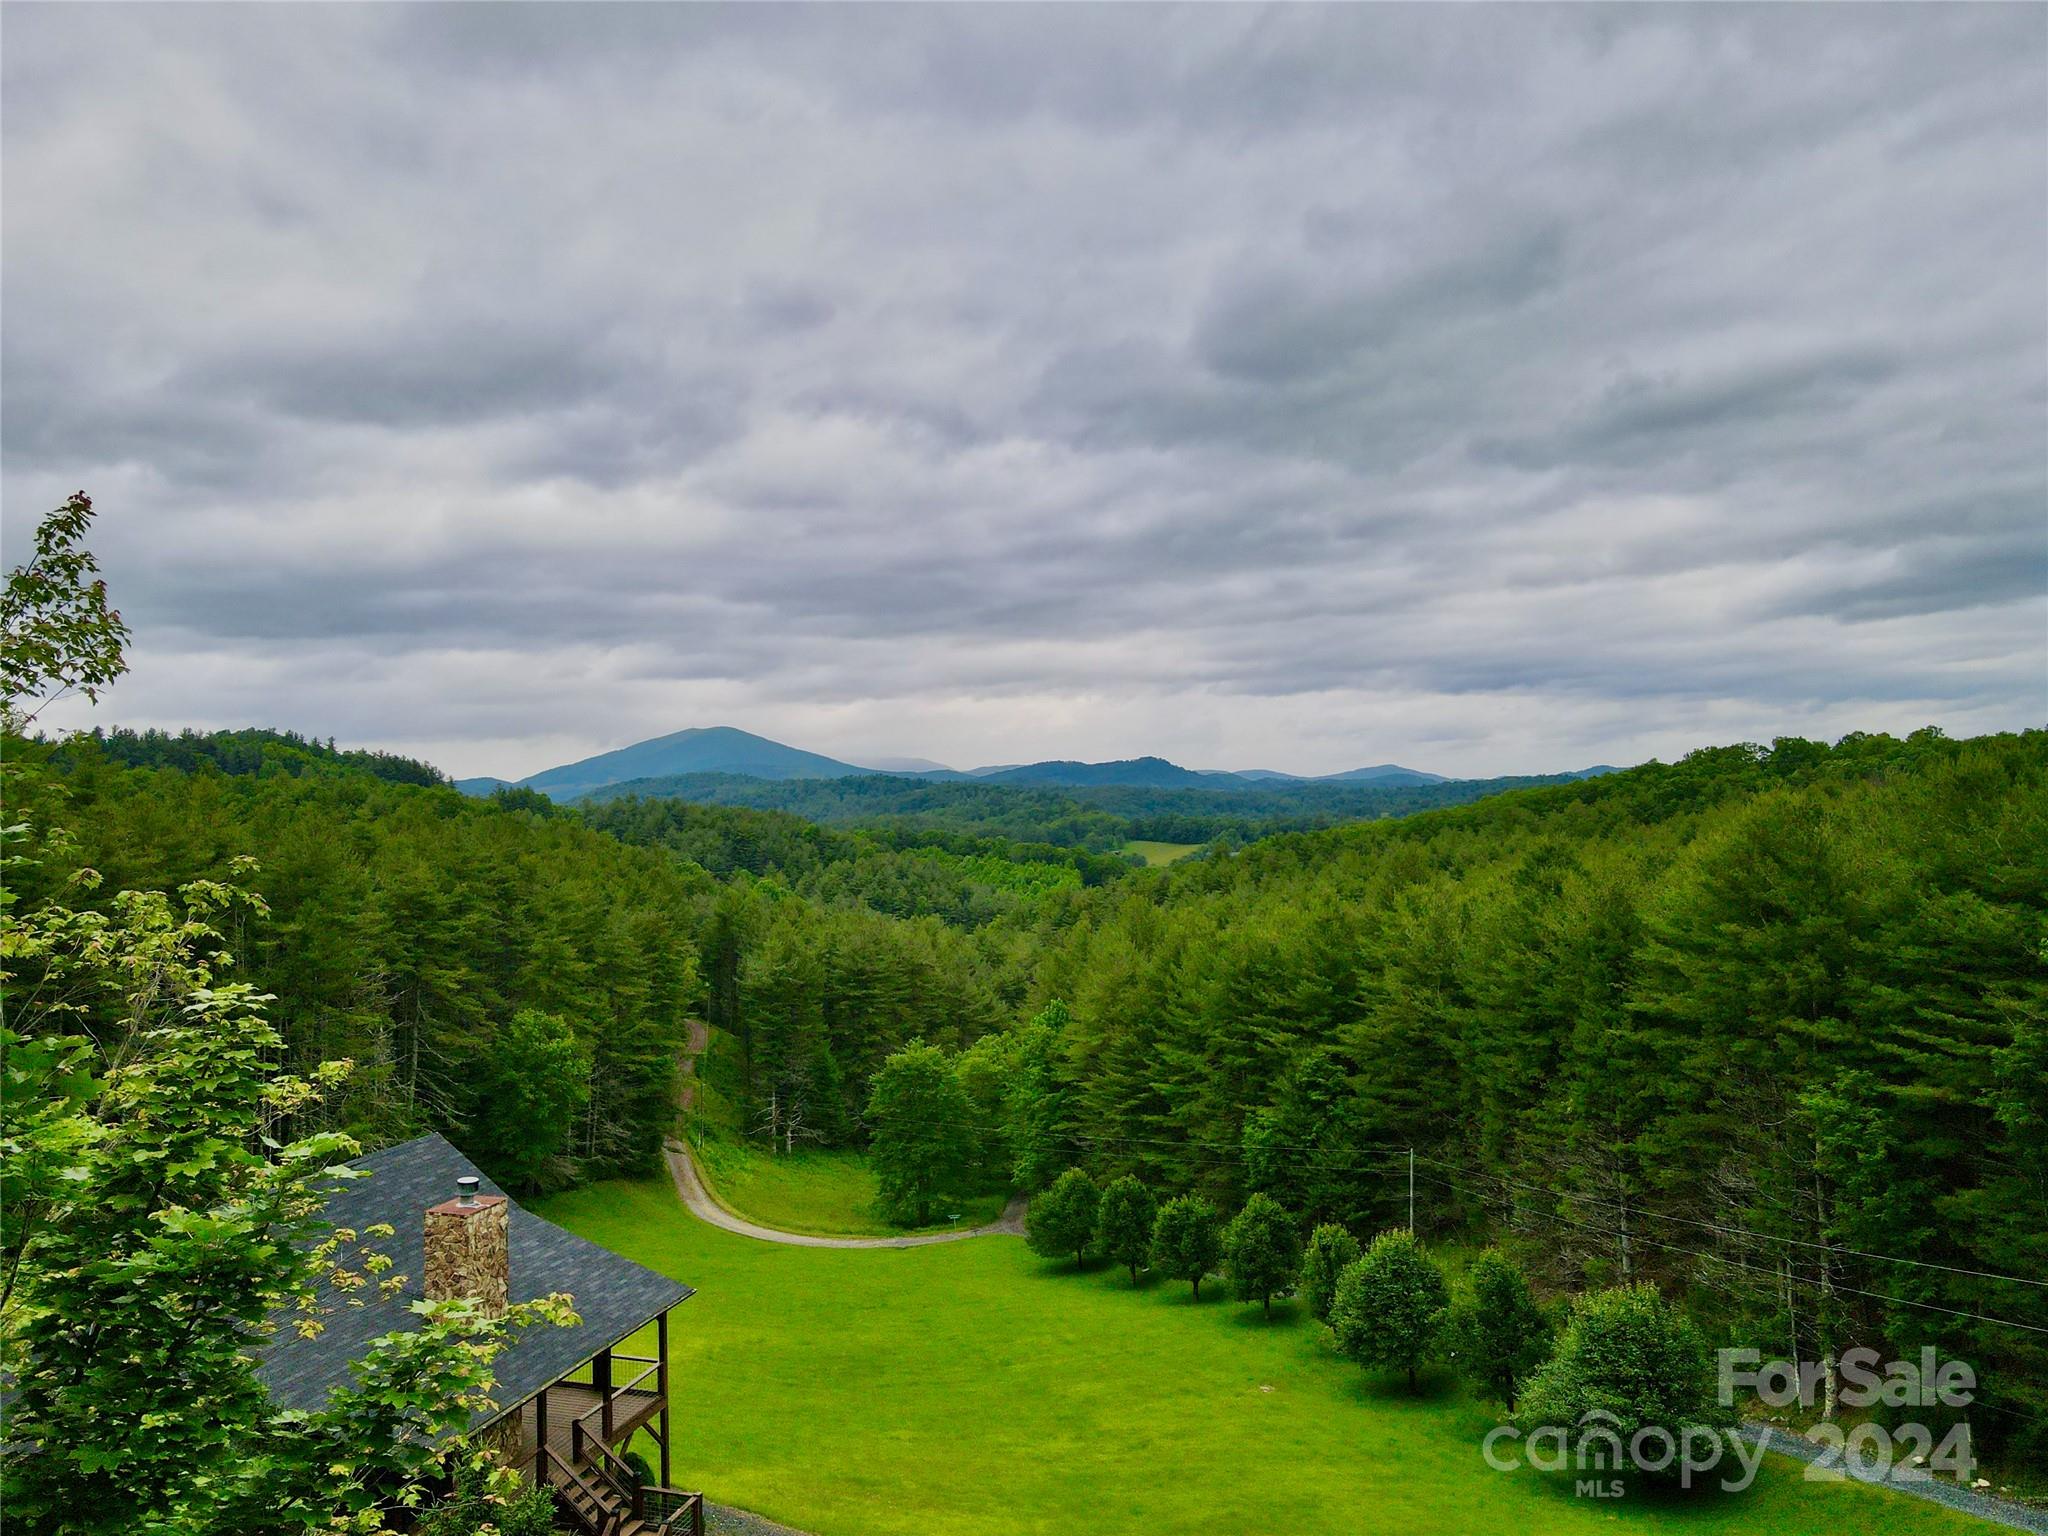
465, 1188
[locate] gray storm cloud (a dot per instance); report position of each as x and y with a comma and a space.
1495, 389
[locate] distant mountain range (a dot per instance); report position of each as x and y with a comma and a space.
1146, 772
725, 749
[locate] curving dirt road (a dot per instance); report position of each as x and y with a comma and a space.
690, 1185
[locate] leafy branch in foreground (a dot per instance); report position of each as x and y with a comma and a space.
156, 1226
157, 1223
57, 630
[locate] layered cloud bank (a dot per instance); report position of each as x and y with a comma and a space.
1493, 390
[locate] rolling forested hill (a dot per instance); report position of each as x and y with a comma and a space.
1099, 816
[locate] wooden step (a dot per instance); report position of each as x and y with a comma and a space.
595, 1513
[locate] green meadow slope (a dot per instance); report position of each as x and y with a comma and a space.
971, 1389
825, 1193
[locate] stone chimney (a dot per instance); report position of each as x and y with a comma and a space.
468, 1253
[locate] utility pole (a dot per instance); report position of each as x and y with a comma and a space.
1411, 1191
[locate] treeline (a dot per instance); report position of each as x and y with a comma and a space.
1766, 1026
515, 976
519, 982
1620, 1368
1099, 818
898, 804
815, 999
963, 880
282, 753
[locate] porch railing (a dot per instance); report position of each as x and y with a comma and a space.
613, 1393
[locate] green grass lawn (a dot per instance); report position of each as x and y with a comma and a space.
1156, 854
973, 1388
832, 1194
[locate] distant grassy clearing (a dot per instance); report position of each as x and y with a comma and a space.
1156, 854
972, 1389
827, 1194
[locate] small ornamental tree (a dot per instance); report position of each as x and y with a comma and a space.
1260, 1251
1499, 1333
919, 1118
1389, 1309
1331, 1249
1123, 1228
1062, 1220
1635, 1358
1187, 1240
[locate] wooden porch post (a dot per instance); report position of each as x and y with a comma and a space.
661, 1380
540, 1439
601, 1378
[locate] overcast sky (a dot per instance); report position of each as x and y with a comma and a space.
1480, 389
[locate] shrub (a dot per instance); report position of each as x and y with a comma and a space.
470, 1507
1633, 1361
1187, 1239
1389, 1308
1330, 1249
1062, 1220
1261, 1251
1123, 1228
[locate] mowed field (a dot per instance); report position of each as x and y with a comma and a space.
1155, 854
827, 1193
973, 1389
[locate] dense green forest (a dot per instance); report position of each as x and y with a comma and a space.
1098, 817
1768, 1026
404, 931
902, 871
269, 753
506, 972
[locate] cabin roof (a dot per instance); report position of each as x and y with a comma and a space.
612, 1296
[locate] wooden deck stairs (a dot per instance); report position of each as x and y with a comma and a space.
599, 1495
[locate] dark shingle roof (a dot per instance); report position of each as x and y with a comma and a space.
612, 1296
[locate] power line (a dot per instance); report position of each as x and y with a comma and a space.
1371, 1149
1771, 1275
1764, 1237
1978, 1405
